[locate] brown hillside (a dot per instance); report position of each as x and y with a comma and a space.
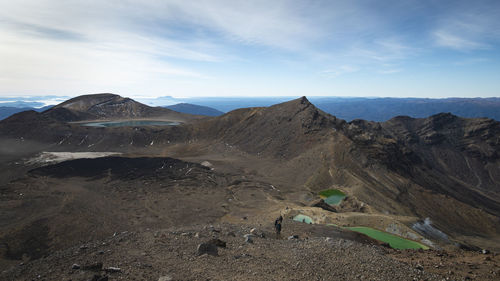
110, 106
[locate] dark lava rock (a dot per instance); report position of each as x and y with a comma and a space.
218, 243
323, 205
99, 278
93, 267
207, 248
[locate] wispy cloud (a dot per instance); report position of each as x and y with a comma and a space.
383, 50
337, 71
390, 71
447, 39
470, 61
42, 31
467, 27
206, 45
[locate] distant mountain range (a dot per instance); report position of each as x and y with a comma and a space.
372, 109
9, 108
6, 111
383, 109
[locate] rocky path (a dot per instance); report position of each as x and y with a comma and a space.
172, 254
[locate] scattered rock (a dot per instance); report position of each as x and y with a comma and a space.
385, 244
213, 229
112, 269
419, 267
207, 248
242, 256
218, 243
93, 267
99, 278
207, 164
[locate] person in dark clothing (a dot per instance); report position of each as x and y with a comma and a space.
277, 226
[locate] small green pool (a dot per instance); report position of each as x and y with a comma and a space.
303, 218
332, 196
394, 241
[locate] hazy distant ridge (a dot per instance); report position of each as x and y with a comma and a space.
383, 109
373, 109
195, 109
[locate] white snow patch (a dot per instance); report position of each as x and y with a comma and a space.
56, 157
207, 164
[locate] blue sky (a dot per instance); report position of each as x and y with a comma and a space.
250, 48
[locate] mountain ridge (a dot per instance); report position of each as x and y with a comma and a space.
109, 106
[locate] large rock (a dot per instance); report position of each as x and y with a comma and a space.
218, 243
207, 248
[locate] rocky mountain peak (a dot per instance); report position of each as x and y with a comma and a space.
109, 107
85, 102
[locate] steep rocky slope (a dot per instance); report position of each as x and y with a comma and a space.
283, 130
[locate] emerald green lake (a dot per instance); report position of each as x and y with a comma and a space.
303, 218
332, 196
394, 241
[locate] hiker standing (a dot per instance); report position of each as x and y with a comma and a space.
277, 226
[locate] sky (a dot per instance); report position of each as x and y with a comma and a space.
179, 48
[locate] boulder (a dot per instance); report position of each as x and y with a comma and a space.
323, 205
207, 248
218, 243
